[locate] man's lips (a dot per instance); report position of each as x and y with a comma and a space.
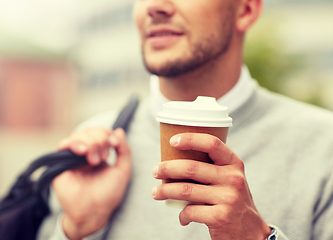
163, 32
163, 37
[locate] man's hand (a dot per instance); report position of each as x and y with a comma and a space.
90, 194
228, 209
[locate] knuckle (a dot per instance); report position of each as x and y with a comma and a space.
232, 199
186, 189
232, 158
238, 181
240, 165
215, 144
192, 168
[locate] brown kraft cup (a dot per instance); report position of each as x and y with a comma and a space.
204, 115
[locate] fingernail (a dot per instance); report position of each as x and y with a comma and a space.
153, 193
155, 171
113, 140
174, 141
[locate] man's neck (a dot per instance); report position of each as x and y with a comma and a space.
214, 79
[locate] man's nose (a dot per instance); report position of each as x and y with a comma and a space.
160, 8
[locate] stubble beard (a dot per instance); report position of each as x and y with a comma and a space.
201, 53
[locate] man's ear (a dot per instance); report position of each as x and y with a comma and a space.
248, 13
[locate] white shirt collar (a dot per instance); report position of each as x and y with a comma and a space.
233, 99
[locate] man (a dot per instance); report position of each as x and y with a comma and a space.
274, 179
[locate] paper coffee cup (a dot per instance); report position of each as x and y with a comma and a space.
204, 115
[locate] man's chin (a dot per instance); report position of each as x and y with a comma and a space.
169, 69
168, 72
164, 64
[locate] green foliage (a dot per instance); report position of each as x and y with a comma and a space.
267, 60
272, 66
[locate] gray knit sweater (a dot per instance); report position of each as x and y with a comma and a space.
287, 148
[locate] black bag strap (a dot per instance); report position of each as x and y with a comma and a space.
61, 161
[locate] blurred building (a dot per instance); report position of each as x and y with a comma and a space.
35, 95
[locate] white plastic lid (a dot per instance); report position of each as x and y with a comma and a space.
202, 112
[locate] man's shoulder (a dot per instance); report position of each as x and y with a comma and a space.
297, 129
293, 111
296, 123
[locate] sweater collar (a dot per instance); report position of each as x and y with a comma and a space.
233, 99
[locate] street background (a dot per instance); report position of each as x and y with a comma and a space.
62, 62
